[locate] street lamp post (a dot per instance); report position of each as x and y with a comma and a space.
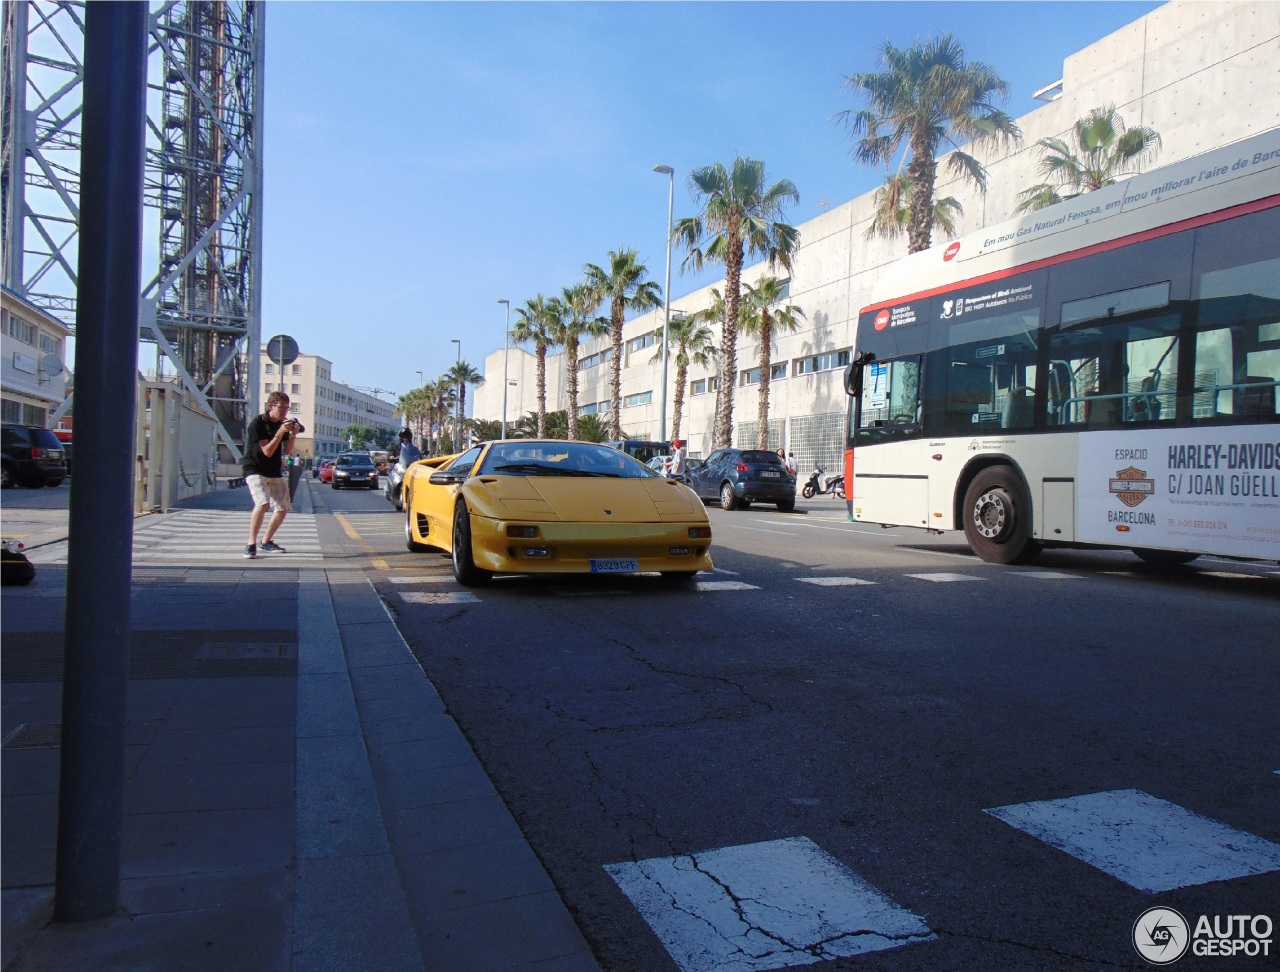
666, 299
506, 353
457, 425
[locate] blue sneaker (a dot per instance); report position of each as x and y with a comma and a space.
250, 552
272, 547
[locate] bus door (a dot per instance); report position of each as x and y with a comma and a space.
889, 481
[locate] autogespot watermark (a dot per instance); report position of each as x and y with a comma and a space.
1162, 935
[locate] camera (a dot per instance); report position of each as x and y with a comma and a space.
296, 427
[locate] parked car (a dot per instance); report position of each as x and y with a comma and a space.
355, 469
536, 506
659, 465
740, 477
32, 456
326, 471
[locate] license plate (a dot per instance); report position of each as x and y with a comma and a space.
619, 565
770, 475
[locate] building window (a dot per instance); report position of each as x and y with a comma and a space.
643, 341
271, 369
778, 371
11, 411
23, 331
698, 387
640, 398
588, 409
50, 344
297, 369
295, 389
822, 362
749, 377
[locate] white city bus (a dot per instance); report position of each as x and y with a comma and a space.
1103, 372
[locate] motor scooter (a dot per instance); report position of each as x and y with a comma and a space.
405, 458
814, 487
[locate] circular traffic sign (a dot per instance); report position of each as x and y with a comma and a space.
282, 349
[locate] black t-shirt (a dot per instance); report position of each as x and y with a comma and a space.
254, 462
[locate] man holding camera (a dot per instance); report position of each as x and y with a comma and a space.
269, 440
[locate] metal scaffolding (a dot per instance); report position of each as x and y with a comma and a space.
201, 307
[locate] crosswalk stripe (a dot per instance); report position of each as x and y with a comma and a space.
944, 578
834, 581
769, 905
442, 597
1146, 842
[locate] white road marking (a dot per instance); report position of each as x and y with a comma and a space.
943, 553
1147, 843
770, 905
1048, 575
834, 581
443, 577
784, 533
836, 529
448, 597
725, 586
944, 578
721, 570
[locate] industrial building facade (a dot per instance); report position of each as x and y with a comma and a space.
1202, 74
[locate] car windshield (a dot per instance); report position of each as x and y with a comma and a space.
759, 457
578, 459
354, 461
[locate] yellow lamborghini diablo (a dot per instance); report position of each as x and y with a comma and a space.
529, 506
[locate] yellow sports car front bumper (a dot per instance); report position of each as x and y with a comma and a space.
528, 547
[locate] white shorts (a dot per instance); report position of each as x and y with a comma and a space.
268, 491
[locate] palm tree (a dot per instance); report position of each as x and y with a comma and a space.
461, 375
892, 210
414, 408
623, 287
533, 324
739, 217
767, 315
571, 320
926, 98
694, 342
1100, 152
485, 430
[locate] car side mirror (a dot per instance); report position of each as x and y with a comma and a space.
447, 477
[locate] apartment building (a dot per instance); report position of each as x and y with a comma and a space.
324, 406
33, 374
1201, 73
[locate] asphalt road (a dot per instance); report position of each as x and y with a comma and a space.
864, 699
878, 716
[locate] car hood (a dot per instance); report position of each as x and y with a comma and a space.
587, 500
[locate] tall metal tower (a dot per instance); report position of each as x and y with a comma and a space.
202, 304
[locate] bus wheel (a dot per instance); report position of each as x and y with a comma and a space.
1165, 558
997, 517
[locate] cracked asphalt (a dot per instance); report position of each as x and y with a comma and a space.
623, 719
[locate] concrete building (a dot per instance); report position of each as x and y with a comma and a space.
1203, 74
324, 406
33, 374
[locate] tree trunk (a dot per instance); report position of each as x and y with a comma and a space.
922, 171
677, 410
615, 372
762, 437
729, 342
571, 378
542, 390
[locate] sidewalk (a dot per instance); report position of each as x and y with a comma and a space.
296, 796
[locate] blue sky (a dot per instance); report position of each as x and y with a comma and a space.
424, 160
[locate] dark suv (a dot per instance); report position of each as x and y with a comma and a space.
32, 456
740, 477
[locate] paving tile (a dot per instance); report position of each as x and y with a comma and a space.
207, 841
223, 786
348, 909
477, 874
264, 744
386, 681
500, 935
446, 746
445, 826
442, 784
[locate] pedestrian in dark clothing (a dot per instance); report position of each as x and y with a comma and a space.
268, 440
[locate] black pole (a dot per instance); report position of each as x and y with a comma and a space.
99, 563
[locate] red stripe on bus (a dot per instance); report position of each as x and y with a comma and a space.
1193, 222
